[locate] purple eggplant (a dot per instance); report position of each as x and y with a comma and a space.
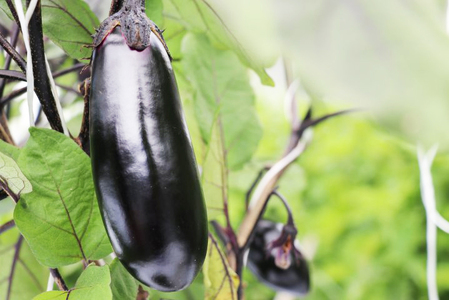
143, 164
289, 274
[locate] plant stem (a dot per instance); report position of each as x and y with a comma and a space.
15, 75
13, 53
83, 137
286, 205
41, 80
8, 225
12, 8
58, 279
22, 91
13, 266
14, 38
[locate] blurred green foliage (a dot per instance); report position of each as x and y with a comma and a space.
356, 200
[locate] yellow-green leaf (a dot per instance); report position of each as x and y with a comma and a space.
220, 281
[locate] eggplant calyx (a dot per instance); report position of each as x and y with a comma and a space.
136, 27
283, 246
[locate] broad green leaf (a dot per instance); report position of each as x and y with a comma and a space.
12, 177
30, 277
214, 178
5, 8
93, 284
9, 150
200, 16
60, 219
123, 285
222, 86
70, 25
153, 9
220, 281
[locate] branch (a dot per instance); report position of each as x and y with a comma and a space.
69, 89
58, 279
22, 91
14, 39
73, 68
264, 189
12, 8
13, 266
286, 205
41, 80
8, 225
4, 185
13, 53
15, 75
83, 137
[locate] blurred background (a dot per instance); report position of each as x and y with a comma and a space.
355, 191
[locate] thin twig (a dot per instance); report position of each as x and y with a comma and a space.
22, 91
12, 8
14, 39
13, 53
58, 279
253, 185
73, 68
83, 137
4, 185
10, 74
8, 225
286, 205
69, 89
13, 266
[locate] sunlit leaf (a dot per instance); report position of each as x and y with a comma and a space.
60, 219
70, 25
220, 281
29, 277
12, 177
215, 174
153, 9
92, 284
201, 17
222, 87
123, 285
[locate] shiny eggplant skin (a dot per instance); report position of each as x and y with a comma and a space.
143, 164
295, 279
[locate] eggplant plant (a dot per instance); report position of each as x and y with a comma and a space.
120, 211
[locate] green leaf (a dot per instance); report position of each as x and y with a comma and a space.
220, 281
200, 16
222, 87
153, 9
92, 284
4, 6
12, 177
9, 150
60, 219
123, 285
30, 277
70, 25
214, 178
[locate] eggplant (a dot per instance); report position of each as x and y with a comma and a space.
144, 168
294, 279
